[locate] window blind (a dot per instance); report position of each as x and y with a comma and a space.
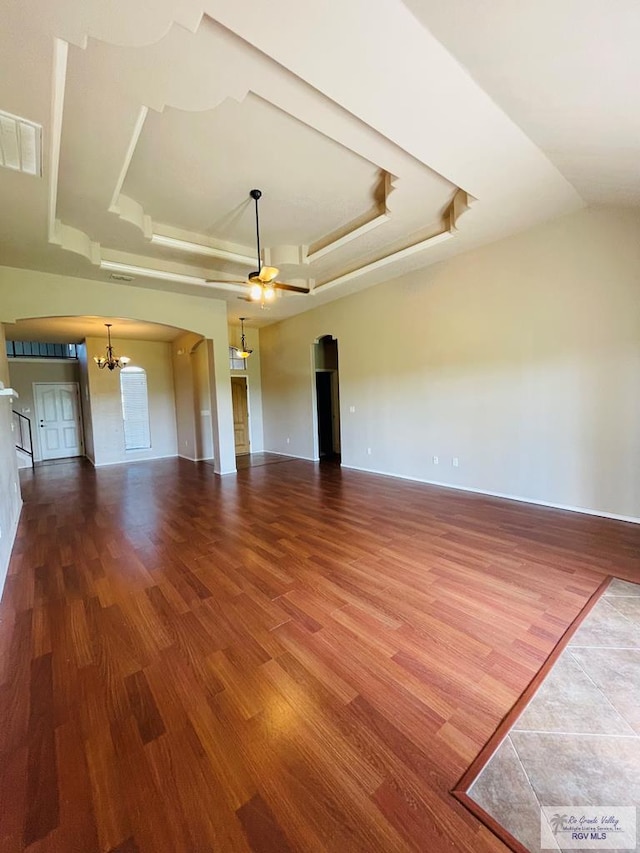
135, 408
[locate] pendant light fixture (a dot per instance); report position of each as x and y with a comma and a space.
262, 289
242, 351
262, 281
110, 361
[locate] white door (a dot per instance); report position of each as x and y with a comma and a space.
58, 419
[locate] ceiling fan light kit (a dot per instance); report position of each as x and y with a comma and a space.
256, 291
261, 293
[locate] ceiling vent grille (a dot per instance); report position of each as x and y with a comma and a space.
20, 144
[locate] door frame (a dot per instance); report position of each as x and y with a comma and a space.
334, 391
335, 394
80, 418
245, 378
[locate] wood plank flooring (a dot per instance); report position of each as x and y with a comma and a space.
295, 658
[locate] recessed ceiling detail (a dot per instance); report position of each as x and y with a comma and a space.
360, 226
174, 205
200, 249
156, 121
302, 164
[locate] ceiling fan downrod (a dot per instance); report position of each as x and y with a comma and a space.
256, 195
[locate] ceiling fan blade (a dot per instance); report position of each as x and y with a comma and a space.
279, 285
292, 288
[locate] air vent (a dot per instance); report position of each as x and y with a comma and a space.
20, 144
118, 276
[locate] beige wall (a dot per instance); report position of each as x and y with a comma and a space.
10, 498
106, 403
24, 373
194, 405
185, 394
202, 401
521, 359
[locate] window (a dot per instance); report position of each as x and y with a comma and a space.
135, 408
236, 363
35, 349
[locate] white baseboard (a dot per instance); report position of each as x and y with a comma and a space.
11, 534
208, 459
196, 458
133, 461
293, 455
631, 519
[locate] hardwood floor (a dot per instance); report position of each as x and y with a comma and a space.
296, 658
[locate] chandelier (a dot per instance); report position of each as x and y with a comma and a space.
111, 361
242, 351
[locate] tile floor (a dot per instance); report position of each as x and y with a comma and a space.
578, 740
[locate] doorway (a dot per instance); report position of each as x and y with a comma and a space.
59, 430
327, 398
240, 414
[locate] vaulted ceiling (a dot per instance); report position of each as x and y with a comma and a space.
384, 137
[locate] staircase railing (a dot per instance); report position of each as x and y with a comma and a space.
24, 438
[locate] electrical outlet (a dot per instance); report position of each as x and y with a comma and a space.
436, 460
368, 451
352, 409
288, 440
455, 462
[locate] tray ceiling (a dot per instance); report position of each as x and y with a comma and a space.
375, 150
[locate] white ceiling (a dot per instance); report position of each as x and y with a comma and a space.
193, 149
568, 73
158, 118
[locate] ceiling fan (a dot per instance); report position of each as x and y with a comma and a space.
263, 280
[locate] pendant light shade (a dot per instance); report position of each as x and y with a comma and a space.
242, 351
